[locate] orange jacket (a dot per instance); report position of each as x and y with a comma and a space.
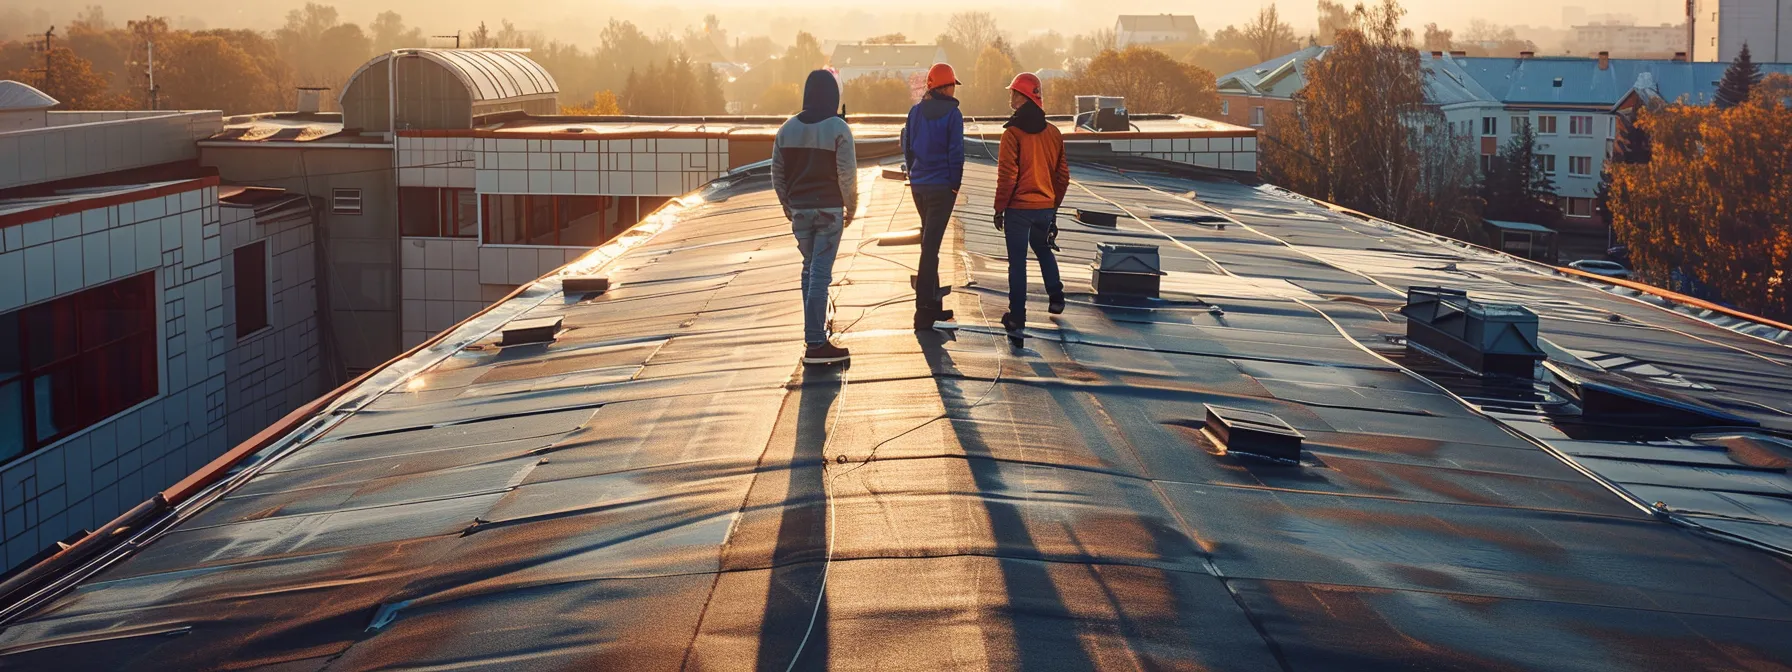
1031, 172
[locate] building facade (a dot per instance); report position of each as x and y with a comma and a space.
907, 62
1628, 40
1719, 28
1255, 95
147, 321
1131, 29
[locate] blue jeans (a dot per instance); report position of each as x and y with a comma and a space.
1029, 228
818, 238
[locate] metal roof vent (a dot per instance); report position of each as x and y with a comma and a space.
536, 330
1486, 338
1097, 218
1126, 270
584, 284
1253, 433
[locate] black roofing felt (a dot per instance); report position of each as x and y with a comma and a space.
664, 488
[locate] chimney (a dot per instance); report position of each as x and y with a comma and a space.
1437, 54
1679, 57
1459, 54
310, 99
1605, 60
1526, 55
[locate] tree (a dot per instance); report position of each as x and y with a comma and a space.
1354, 135
1040, 52
603, 104
389, 32
1741, 76
1708, 208
1268, 36
1094, 42
92, 20
891, 38
1437, 39
72, 81
780, 99
678, 87
207, 72
1221, 60
972, 30
988, 91
754, 49
803, 56
1516, 187
1151, 81
1333, 17
1231, 37
877, 95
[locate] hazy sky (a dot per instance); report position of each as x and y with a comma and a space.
578, 20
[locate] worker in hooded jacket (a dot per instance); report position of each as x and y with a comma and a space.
815, 174
933, 151
1032, 175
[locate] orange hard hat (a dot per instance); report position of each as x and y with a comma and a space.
941, 75
1027, 84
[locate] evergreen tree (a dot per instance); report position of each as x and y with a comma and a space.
1739, 78
1517, 188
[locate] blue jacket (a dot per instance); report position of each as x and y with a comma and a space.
933, 142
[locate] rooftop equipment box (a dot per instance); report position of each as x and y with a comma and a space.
1126, 270
1487, 338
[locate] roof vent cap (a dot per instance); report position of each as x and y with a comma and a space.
1485, 338
1252, 433
1126, 270
536, 330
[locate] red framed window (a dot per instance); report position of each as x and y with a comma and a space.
251, 265
428, 212
72, 362
565, 221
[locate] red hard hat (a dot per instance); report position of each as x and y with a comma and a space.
941, 75
1027, 84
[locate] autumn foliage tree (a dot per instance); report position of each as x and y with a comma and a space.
72, 81
1149, 79
1709, 206
987, 93
876, 95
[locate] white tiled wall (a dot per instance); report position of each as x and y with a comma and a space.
75, 150
622, 167
445, 280
274, 370
91, 477
1238, 154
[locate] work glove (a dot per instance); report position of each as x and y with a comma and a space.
1051, 237
1001, 220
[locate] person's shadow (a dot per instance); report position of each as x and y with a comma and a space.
800, 557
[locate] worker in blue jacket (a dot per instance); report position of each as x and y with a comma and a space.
933, 150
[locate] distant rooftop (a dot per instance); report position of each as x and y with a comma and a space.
18, 96
891, 55
1165, 23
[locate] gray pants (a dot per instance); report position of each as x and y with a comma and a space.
818, 238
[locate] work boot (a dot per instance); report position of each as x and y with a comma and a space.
1013, 325
826, 353
1056, 307
925, 318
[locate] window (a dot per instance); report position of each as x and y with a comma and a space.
345, 201
1225, 108
1547, 162
1257, 116
1580, 125
251, 264
570, 221
1490, 125
427, 212
1546, 124
1580, 165
1577, 207
1519, 124
72, 362
1486, 163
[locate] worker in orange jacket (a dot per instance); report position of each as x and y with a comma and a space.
1032, 175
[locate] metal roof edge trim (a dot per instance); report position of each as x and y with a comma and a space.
79, 205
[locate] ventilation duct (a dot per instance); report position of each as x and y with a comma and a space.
1106, 220
1252, 432
1486, 338
1609, 398
536, 330
1126, 270
584, 284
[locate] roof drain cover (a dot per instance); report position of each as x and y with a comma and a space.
537, 330
1105, 220
1486, 338
584, 284
1253, 433
1126, 270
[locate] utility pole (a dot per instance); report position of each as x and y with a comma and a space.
152, 74
49, 35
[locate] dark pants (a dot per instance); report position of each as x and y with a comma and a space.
1030, 228
934, 202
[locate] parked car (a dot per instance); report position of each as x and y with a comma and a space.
1610, 269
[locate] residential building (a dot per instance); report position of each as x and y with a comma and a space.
149, 317
1252, 96
1628, 40
1719, 28
901, 61
1131, 29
